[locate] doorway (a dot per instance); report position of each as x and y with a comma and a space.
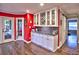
7, 29
20, 28
72, 39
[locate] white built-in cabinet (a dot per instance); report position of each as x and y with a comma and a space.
46, 41
46, 18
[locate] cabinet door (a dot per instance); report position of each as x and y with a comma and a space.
42, 18
48, 17
55, 42
35, 19
50, 43
52, 17
38, 39
33, 38
45, 41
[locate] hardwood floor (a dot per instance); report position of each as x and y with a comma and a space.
21, 48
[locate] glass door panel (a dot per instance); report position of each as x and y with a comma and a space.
72, 33
48, 17
42, 18
19, 27
37, 19
53, 17
7, 29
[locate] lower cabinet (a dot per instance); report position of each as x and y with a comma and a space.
46, 41
50, 43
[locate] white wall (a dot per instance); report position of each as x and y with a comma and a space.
62, 31
0, 28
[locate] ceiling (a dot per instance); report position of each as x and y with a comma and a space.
20, 8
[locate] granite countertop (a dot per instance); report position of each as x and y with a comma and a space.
45, 33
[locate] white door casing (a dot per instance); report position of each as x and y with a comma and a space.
17, 37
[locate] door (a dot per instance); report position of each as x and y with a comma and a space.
7, 29
20, 28
72, 33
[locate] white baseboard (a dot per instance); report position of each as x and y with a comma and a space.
14, 40
24, 41
55, 50
6, 41
27, 41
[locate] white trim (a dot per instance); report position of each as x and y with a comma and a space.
14, 41
12, 28
22, 28
54, 50
45, 10
46, 25
39, 19
6, 41
50, 17
27, 41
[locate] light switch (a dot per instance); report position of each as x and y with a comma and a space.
29, 26
30, 21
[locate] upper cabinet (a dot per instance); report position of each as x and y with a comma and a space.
46, 18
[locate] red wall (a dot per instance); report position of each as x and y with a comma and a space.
27, 24
58, 27
28, 27
11, 15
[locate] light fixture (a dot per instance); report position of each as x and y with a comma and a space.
41, 4
27, 11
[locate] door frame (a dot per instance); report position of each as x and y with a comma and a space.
8, 40
21, 18
77, 27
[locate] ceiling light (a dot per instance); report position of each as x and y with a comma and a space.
41, 4
27, 11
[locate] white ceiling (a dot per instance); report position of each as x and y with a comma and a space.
20, 8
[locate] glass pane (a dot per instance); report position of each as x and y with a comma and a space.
19, 27
72, 33
72, 25
37, 19
8, 29
42, 18
48, 17
53, 17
